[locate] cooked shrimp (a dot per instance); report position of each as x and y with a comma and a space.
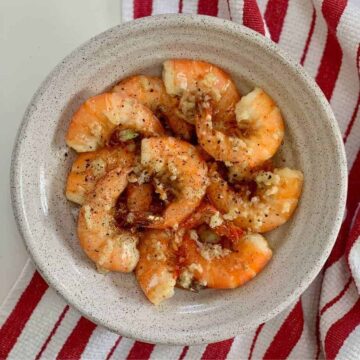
222, 268
217, 226
110, 247
238, 172
257, 136
177, 163
139, 197
137, 206
89, 167
156, 271
193, 79
93, 124
262, 209
206, 157
150, 91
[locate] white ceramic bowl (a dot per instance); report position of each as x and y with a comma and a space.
47, 222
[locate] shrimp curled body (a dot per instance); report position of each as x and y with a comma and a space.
274, 201
225, 269
156, 269
93, 124
150, 91
258, 133
178, 164
108, 246
192, 80
89, 167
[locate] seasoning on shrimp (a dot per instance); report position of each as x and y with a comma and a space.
156, 271
89, 167
213, 237
93, 124
270, 204
192, 80
256, 137
223, 268
150, 91
218, 226
165, 157
110, 247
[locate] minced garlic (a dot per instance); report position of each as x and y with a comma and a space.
159, 251
98, 167
232, 214
185, 278
213, 251
193, 235
271, 191
143, 177
159, 189
267, 178
187, 274
87, 216
96, 129
216, 220
286, 207
105, 252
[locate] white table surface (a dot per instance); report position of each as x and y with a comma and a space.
34, 36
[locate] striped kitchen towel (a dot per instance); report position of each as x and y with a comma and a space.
325, 321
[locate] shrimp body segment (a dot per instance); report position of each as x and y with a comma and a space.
150, 91
179, 165
156, 269
191, 80
274, 201
224, 268
208, 214
110, 248
89, 167
94, 122
258, 133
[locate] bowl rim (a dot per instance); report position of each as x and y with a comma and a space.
215, 23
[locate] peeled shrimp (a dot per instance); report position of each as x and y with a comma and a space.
178, 164
258, 133
191, 80
271, 204
239, 172
150, 91
110, 247
223, 268
156, 271
93, 124
89, 167
208, 214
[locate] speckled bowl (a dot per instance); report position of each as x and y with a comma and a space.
47, 222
